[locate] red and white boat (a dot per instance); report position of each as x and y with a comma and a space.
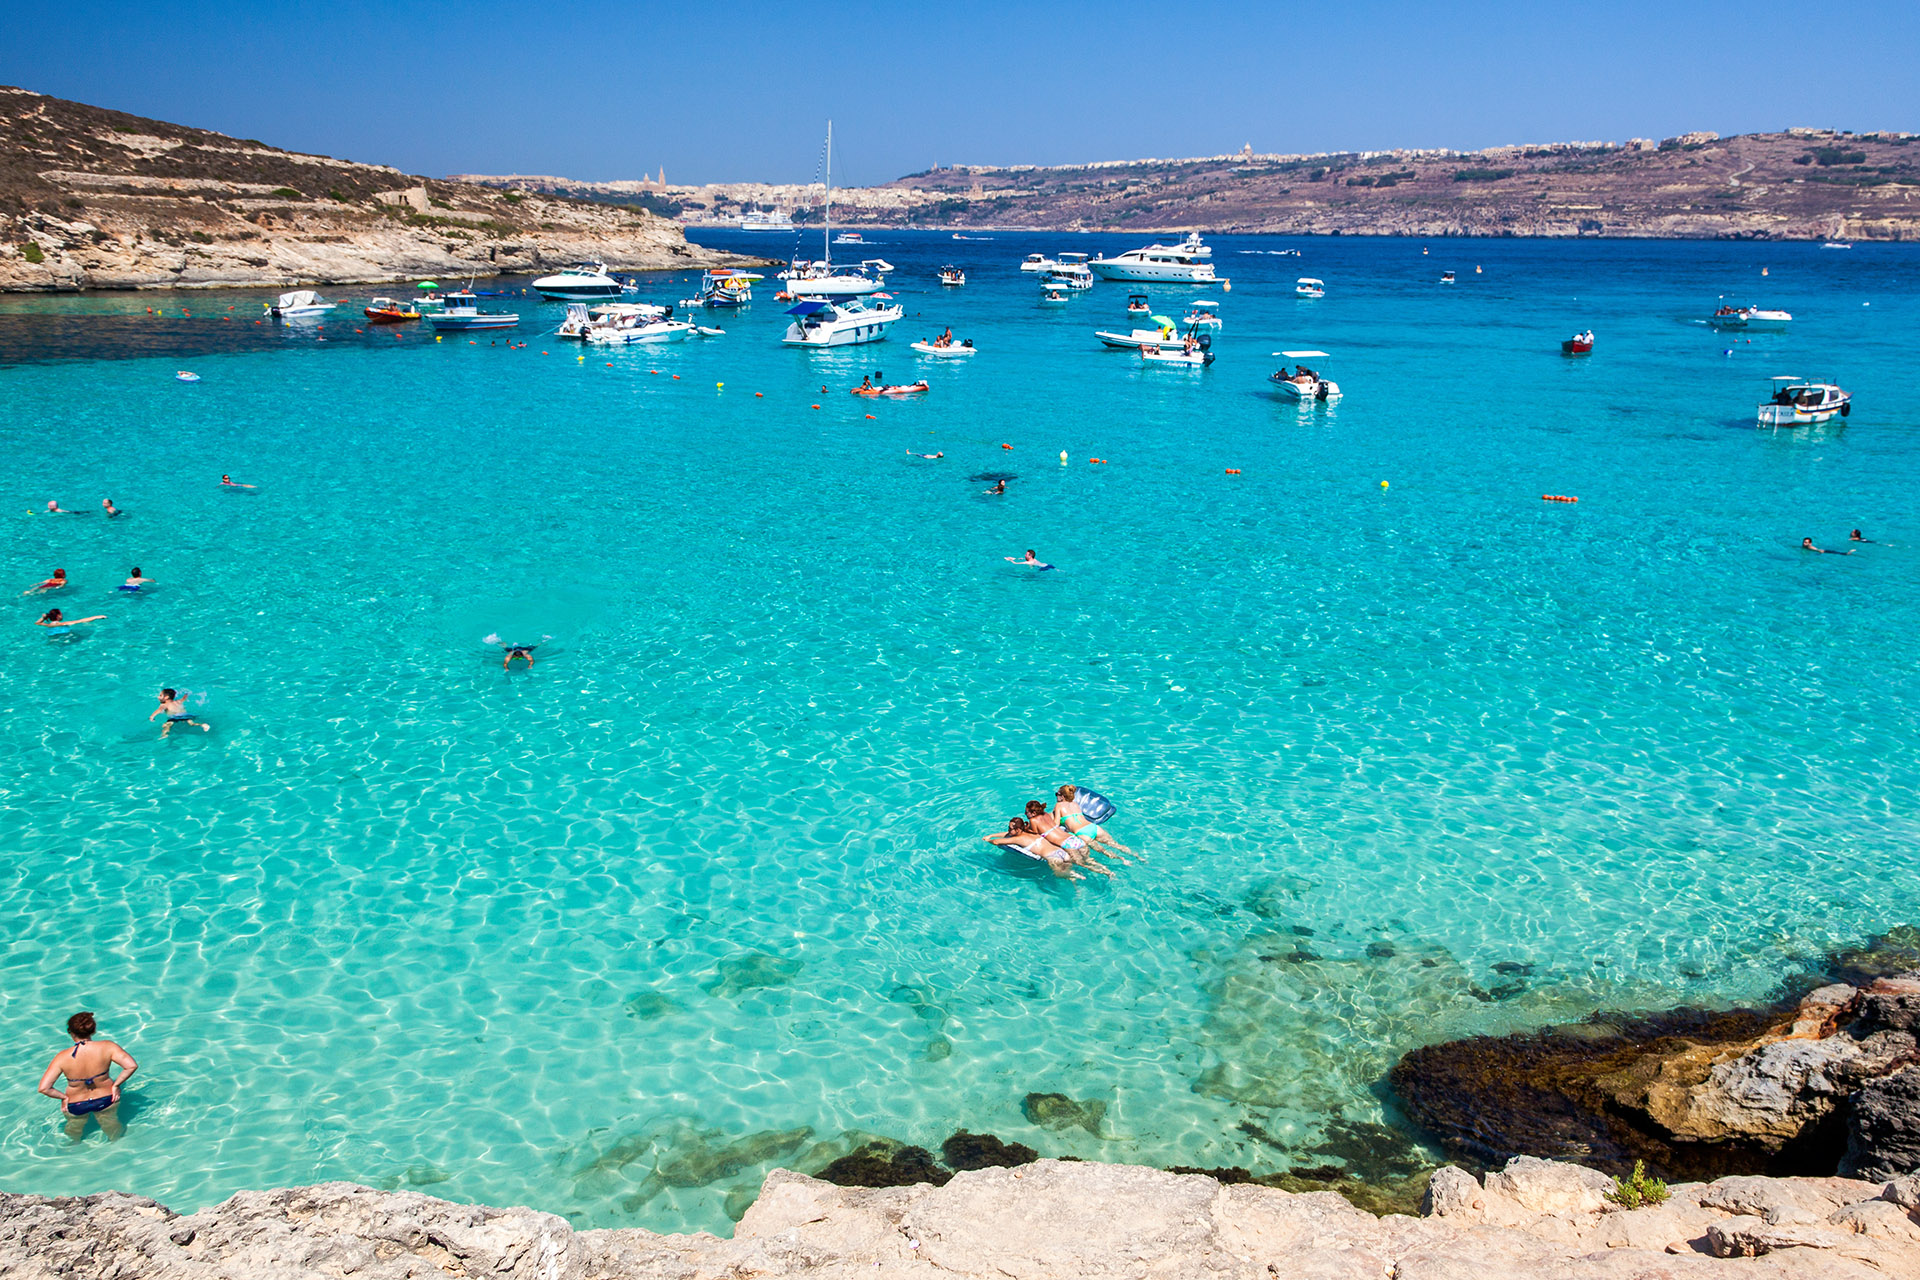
387, 311
1579, 344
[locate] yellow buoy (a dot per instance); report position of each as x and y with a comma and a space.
1383, 484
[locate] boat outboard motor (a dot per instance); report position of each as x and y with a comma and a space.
1206, 344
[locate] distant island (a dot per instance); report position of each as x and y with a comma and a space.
98, 199
1802, 184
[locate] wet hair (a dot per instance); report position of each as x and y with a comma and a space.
1030, 554
1065, 793
136, 571
51, 615
81, 1024
1035, 807
168, 693
59, 573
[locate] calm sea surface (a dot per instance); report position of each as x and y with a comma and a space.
704, 891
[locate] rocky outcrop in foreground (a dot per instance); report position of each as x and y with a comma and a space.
1829, 1084
97, 199
1534, 1219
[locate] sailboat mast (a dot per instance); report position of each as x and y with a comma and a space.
826, 237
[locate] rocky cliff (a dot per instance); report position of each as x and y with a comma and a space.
97, 199
1535, 1219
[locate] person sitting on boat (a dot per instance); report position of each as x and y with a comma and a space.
866, 384
946, 338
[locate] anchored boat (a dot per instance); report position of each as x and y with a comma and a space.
1799, 402
584, 280
300, 304
461, 311
1305, 384
1189, 262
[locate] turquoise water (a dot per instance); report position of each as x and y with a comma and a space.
704, 891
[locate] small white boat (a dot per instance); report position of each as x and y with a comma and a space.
1446, 277
1038, 262
722, 287
849, 237
584, 280
644, 331
952, 276
1308, 287
608, 315
948, 351
1305, 384
186, 375
1162, 336
1054, 291
824, 322
1138, 304
1186, 357
300, 304
462, 312
1836, 244
1189, 262
1798, 402
1748, 318
1205, 315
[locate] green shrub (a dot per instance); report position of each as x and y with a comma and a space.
287, 193
199, 237
1827, 157
334, 194
1637, 1189
1481, 175
31, 252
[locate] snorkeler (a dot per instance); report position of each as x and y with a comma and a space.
518, 651
1030, 560
228, 482
91, 1089
1806, 544
1020, 836
54, 618
134, 581
57, 582
931, 457
176, 713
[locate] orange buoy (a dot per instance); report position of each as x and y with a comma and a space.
816, 406
1099, 460
870, 417
676, 377
609, 364
1233, 471
1557, 497
1006, 446
759, 395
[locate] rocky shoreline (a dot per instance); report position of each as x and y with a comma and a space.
1534, 1218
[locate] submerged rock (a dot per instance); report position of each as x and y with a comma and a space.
648, 1005
749, 971
1058, 1111
964, 1151
883, 1164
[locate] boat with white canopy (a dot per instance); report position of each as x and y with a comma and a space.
300, 304
1801, 402
1305, 384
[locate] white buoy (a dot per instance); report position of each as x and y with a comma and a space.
1063, 457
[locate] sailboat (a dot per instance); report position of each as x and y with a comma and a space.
832, 308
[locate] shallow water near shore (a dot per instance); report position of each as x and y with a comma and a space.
704, 890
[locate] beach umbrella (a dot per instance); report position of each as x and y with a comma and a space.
426, 284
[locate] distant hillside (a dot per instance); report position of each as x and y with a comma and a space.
91, 198
1802, 184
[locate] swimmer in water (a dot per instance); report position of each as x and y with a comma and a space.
1855, 536
518, 651
1806, 544
107, 505
55, 509
176, 713
56, 583
999, 486
1030, 560
91, 1089
929, 456
228, 482
134, 581
1019, 835
54, 618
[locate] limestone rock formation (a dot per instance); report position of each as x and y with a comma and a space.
1052, 1218
1883, 1128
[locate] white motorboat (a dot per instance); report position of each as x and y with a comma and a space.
945, 351
1727, 317
1054, 291
1836, 244
765, 220
1205, 315
824, 280
1071, 271
1305, 384
1446, 277
1308, 287
1184, 356
722, 287
849, 237
1799, 402
583, 280
825, 322
581, 317
616, 335
1039, 262
1165, 335
952, 276
462, 311
301, 304
1189, 262
1138, 304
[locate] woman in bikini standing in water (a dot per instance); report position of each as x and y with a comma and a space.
91, 1089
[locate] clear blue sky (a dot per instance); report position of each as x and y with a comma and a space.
727, 92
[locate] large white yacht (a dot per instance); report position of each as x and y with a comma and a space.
584, 280
1189, 262
824, 280
846, 322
